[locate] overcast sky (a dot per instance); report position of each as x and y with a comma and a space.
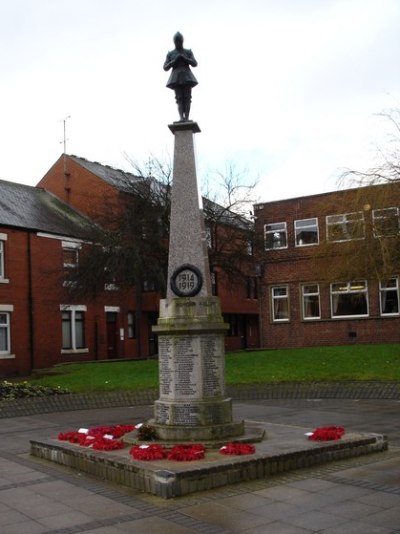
288, 89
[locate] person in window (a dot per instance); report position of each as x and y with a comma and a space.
181, 79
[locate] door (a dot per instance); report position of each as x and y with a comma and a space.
112, 335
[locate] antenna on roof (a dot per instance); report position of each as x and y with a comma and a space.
64, 141
67, 186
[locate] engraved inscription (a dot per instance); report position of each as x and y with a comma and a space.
186, 359
212, 366
165, 365
186, 414
161, 413
186, 281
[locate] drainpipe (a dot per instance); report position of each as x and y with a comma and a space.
30, 306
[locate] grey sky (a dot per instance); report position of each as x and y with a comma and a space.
287, 88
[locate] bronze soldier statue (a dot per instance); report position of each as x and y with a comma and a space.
181, 79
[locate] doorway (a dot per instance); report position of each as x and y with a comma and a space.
112, 335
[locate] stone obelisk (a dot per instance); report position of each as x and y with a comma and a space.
192, 404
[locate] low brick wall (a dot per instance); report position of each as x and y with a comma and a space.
80, 401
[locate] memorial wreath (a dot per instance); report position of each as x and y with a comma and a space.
326, 433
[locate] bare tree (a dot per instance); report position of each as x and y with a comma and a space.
130, 247
373, 199
227, 205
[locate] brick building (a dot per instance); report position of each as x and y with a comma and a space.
43, 231
37, 231
93, 188
306, 241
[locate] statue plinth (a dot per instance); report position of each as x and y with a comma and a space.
192, 404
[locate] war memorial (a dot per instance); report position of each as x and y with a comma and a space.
193, 406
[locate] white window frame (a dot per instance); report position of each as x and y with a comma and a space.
131, 322
70, 246
379, 214
311, 225
274, 230
3, 239
277, 298
73, 309
350, 291
310, 294
383, 290
343, 219
7, 309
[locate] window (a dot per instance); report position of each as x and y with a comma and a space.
4, 333
251, 288
232, 321
385, 222
3, 239
306, 232
73, 327
345, 227
280, 303
131, 325
310, 300
349, 299
389, 296
70, 253
275, 235
1, 258
149, 285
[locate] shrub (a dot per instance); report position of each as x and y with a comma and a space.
18, 390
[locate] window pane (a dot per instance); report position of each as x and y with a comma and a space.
390, 302
281, 309
389, 296
79, 330
391, 283
70, 257
345, 227
3, 340
311, 306
275, 236
310, 288
131, 325
306, 232
357, 286
1, 260
386, 222
351, 304
280, 303
339, 287
279, 291
66, 330
4, 332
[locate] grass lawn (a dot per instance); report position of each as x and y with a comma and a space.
353, 362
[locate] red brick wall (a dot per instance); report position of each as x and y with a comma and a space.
15, 293
295, 265
81, 189
92, 196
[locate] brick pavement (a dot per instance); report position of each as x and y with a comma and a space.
361, 495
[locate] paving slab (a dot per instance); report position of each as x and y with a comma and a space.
70, 487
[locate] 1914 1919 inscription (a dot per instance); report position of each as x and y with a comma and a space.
186, 281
